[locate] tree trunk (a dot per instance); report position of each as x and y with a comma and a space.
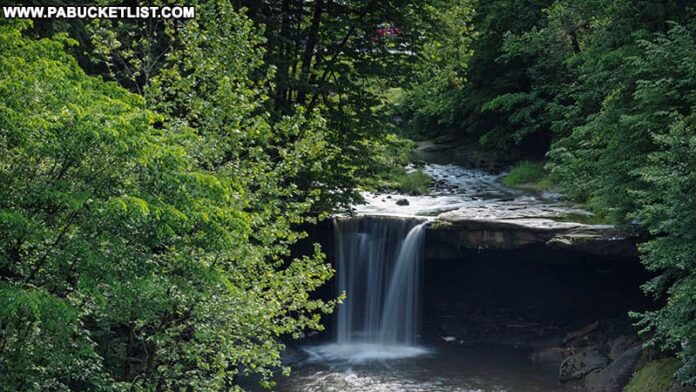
310, 46
282, 53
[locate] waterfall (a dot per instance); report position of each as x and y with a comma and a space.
378, 263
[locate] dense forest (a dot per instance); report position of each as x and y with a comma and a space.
155, 175
605, 92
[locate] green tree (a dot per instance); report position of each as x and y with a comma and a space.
433, 98
609, 87
462, 109
631, 157
336, 57
669, 211
145, 249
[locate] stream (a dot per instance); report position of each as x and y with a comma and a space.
454, 187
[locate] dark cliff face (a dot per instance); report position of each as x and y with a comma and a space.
530, 297
525, 295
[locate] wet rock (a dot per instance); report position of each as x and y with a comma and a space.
577, 338
402, 202
620, 345
511, 225
551, 354
581, 364
615, 376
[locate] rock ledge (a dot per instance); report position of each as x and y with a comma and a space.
511, 225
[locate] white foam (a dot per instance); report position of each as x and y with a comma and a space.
363, 352
463, 188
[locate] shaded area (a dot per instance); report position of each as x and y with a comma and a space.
529, 297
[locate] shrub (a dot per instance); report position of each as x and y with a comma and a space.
414, 183
525, 173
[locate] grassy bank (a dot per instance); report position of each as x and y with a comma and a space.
654, 376
412, 183
392, 156
529, 174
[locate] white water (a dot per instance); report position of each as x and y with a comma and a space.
459, 187
379, 262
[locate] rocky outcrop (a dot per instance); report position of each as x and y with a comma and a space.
581, 364
591, 356
613, 377
599, 356
511, 225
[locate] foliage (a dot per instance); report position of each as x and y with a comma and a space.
330, 56
668, 209
146, 234
441, 103
631, 158
525, 173
415, 183
604, 89
146, 222
653, 376
389, 169
142, 247
600, 156
441, 72
319, 59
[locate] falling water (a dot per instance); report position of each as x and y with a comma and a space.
378, 265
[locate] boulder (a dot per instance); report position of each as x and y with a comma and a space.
581, 364
615, 376
550, 354
579, 337
402, 202
620, 345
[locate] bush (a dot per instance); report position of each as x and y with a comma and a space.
526, 173
414, 183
